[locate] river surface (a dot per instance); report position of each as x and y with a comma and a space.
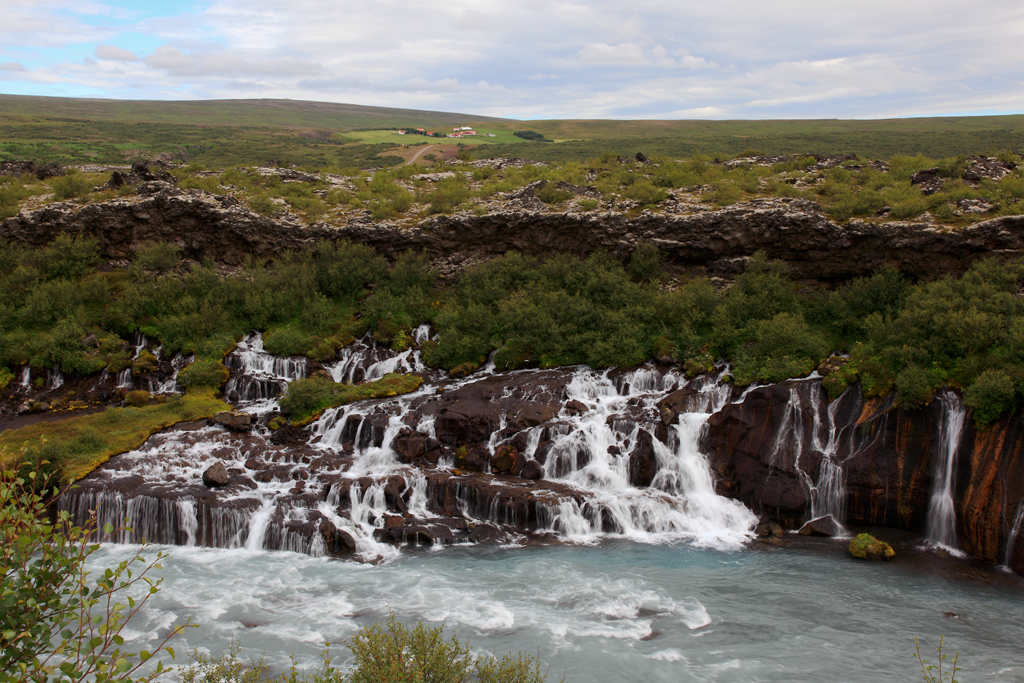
614, 611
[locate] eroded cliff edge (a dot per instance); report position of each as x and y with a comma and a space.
694, 240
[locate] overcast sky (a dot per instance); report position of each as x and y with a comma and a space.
724, 59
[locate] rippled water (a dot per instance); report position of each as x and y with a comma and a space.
618, 611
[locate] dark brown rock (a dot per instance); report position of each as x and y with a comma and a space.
822, 526
532, 470
235, 420
215, 475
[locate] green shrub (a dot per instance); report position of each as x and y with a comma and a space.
645, 263
71, 185
203, 372
58, 621
914, 386
306, 398
992, 394
395, 653
158, 256
450, 192
550, 194
644, 192
287, 341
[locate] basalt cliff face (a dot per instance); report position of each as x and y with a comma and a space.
694, 239
788, 453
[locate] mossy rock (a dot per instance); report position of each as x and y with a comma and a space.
463, 370
867, 547
137, 399
146, 362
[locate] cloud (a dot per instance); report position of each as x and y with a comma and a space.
539, 58
12, 66
114, 53
624, 54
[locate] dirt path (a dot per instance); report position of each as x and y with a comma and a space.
418, 154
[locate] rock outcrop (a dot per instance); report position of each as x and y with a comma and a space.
769, 452
698, 241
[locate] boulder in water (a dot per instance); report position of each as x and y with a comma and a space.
215, 475
867, 547
532, 470
822, 526
504, 459
232, 419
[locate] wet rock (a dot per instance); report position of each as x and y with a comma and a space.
215, 475
575, 407
769, 529
822, 526
676, 403
643, 463
485, 533
532, 470
337, 541
235, 420
504, 459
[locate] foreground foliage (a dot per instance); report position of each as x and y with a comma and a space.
389, 651
58, 623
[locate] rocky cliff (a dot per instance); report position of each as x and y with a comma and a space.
786, 452
694, 239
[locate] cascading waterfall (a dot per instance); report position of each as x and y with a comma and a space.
26, 377
1011, 539
593, 457
941, 529
260, 375
285, 504
54, 379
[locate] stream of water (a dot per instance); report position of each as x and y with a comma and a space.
620, 611
659, 582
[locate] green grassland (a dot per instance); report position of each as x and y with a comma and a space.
318, 135
71, 448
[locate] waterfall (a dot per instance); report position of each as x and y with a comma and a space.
124, 379
593, 455
26, 377
828, 493
941, 530
260, 376
349, 474
1011, 538
54, 379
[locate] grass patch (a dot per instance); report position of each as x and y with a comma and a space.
76, 446
307, 398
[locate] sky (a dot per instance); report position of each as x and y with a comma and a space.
533, 59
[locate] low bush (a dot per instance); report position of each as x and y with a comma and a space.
307, 398
71, 185
203, 372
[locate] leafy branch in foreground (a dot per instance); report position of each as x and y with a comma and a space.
933, 673
58, 623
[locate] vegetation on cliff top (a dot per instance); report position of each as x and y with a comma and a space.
909, 337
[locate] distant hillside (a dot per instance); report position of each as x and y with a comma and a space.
276, 113
318, 135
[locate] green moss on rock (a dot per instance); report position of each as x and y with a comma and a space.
867, 547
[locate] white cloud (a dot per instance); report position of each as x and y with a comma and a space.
541, 58
12, 66
114, 53
627, 54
